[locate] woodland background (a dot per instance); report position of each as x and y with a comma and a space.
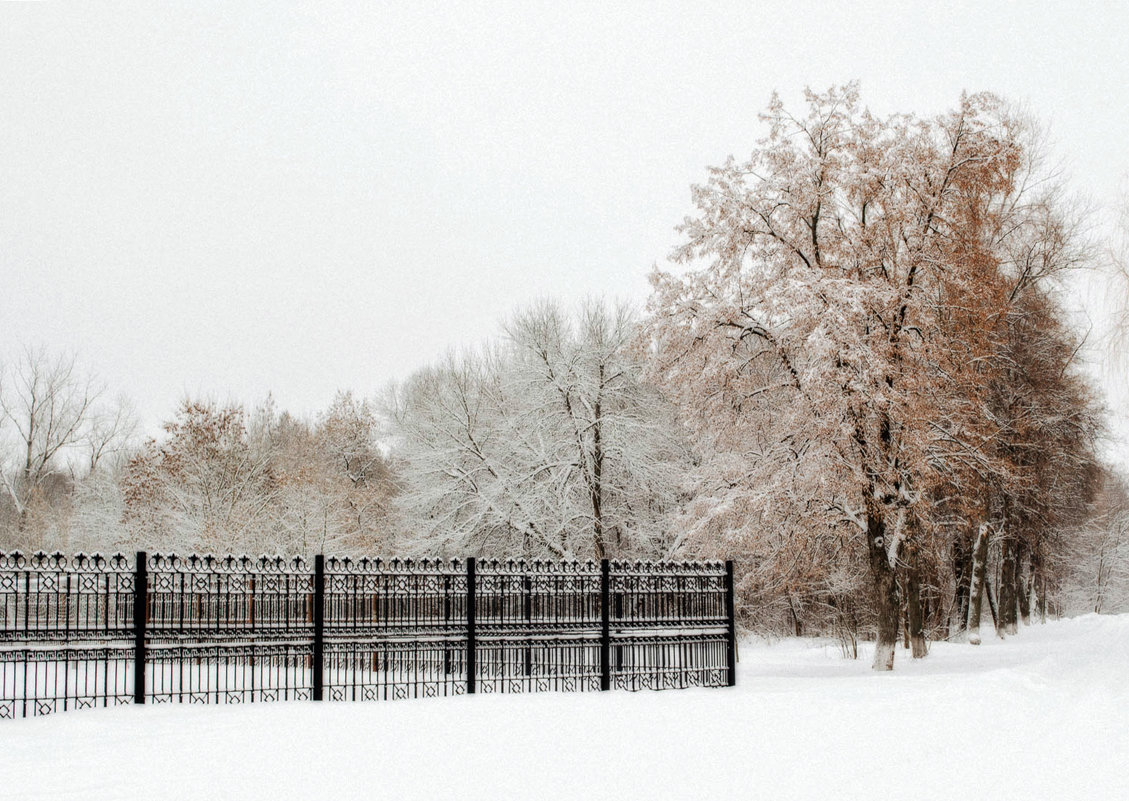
858, 378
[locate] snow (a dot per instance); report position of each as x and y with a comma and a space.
1042, 715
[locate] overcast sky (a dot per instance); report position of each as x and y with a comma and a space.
225, 199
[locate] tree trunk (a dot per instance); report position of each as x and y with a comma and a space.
916, 616
905, 621
962, 574
991, 602
797, 625
1023, 597
1007, 621
885, 586
1022, 586
1039, 585
976, 583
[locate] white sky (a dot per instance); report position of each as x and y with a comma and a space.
229, 199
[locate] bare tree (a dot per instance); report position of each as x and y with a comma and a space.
47, 404
549, 444
1117, 257
1095, 562
110, 432
582, 381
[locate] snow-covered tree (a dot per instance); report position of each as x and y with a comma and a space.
45, 404
333, 481
223, 481
548, 444
808, 340
56, 431
203, 487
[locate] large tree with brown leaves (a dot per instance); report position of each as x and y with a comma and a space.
812, 336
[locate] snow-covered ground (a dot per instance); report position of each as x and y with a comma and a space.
1043, 715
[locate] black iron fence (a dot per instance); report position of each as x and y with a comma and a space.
95, 631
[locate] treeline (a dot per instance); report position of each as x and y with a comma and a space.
861, 385
219, 479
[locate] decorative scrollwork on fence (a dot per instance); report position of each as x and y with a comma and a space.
544, 567
226, 565
93, 630
40, 561
365, 566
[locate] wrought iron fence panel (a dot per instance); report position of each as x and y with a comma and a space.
526, 664
228, 598
228, 673
669, 662
40, 680
394, 629
425, 597
51, 598
387, 669
228, 630
65, 630
98, 631
538, 626
648, 595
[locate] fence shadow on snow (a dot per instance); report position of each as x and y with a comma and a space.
95, 631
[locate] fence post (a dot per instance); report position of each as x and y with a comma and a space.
319, 628
605, 626
527, 602
471, 590
140, 618
731, 627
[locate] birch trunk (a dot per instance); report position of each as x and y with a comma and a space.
976, 584
962, 575
990, 593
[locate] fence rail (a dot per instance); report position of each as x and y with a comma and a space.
96, 631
